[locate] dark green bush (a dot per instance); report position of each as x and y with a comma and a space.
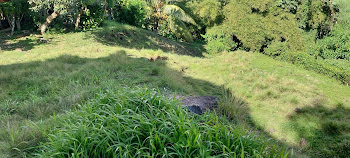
133, 12
142, 123
336, 45
219, 39
92, 16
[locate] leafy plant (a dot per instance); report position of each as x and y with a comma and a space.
176, 19
337, 44
276, 48
142, 123
92, 16
14, 11
54, 8
220, 39
133, 12
257, 23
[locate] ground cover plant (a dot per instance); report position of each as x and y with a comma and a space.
143, 123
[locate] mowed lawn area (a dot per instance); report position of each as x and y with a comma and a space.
41, 79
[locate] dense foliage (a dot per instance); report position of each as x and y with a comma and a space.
142, 123
319, 29
313, 34
14, 11
337, 44
35, 90
133, 12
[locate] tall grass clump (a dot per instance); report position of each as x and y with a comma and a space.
142, 123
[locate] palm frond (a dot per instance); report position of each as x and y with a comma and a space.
180, 29
178, 13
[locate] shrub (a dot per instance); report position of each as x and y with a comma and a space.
219, 39
276, 48
257, 23
132, 12
141, 123
92, 16
337, 45
318, 65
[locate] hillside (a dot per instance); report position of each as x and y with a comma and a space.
40, 79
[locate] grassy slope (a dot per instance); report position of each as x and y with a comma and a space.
51, 78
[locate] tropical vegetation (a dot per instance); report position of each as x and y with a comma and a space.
104, 78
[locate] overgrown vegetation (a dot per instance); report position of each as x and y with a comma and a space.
142, 123
41, 81
286, 28
85, 49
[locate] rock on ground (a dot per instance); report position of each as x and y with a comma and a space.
200, 104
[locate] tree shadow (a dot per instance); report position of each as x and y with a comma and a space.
115, 34
35, 91
326, 131
19, 43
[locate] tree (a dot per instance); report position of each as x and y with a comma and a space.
133, 12
8, 11
254, 25
21, 8
82, 4
210, 11
317, 15
55, 8
174, 15
14, 11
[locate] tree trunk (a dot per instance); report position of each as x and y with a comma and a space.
18, 24
48, 21
77, 22
105, 10
112, 13
12, 22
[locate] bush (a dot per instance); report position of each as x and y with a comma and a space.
318, 65
141, 123
133, 12
256, 24
276, 48
92, 16
337, 45
219, 40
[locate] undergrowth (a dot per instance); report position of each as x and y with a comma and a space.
142, 123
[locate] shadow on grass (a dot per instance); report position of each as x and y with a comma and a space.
37, 90
26, 44
115, 34
326, 131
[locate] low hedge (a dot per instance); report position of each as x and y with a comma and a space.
321, 66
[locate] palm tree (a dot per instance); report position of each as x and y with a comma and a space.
177, 18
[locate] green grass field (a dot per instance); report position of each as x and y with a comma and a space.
271, 98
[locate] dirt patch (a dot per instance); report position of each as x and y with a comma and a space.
200, 104
153, 59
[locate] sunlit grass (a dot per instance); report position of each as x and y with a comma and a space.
264, 94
